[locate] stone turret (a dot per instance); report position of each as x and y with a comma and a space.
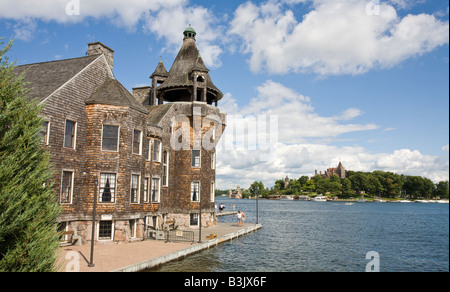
188, 79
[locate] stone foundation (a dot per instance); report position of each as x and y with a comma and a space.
122, 230
184, 220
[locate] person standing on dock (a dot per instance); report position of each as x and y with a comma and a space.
241, 217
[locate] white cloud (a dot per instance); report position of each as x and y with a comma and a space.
412, 162
335, 37
297, 118
25, 29
165, 18
170, 23
297, 152
55, 10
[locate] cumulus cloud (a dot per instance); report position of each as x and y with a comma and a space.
62, 10
297, 118
168, 24
335, 37
166, 19
296, 151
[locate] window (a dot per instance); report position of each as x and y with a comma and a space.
195, 191
213, 160
148, 150
132, 224
166, 169
69, 135
137, 139
105, 230
195, 158
110, 139
66, 187
194, 219
134, 196
45, 131
155, 189
107, 187
156, 151
146, 189
213, 190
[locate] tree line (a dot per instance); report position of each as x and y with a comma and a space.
371, 184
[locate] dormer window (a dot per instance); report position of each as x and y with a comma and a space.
200, 79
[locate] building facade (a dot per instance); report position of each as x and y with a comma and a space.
142, 158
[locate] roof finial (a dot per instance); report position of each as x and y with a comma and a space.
160, 59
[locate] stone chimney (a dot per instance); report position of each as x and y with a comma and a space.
99, 48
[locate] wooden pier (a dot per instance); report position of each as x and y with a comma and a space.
225, 213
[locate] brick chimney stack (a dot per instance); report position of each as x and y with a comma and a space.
99, 48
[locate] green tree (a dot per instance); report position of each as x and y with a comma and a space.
322, 184
359, 181
418, 187
294, 187
28, 207
310, 186
427, 188
257, 187
334, 185
303, 180
347, 190
441, 190
279, 185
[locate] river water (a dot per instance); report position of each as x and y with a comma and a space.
305, 236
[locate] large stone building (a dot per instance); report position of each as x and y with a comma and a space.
145, 157
338, 171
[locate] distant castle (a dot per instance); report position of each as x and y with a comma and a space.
339, 171
235, 194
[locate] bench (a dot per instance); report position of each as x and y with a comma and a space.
69, 240
170, 225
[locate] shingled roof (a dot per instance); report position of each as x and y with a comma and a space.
45, 78
157, 113
188, 60
160, 70
112, 92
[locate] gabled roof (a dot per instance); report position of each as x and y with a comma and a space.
112, 92
45, 78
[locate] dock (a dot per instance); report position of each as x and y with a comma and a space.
138, 256
226, 213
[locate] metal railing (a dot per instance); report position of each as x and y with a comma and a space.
180, 236
171, 236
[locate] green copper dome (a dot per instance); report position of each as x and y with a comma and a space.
189, 33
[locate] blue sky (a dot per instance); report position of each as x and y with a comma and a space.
364, 82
